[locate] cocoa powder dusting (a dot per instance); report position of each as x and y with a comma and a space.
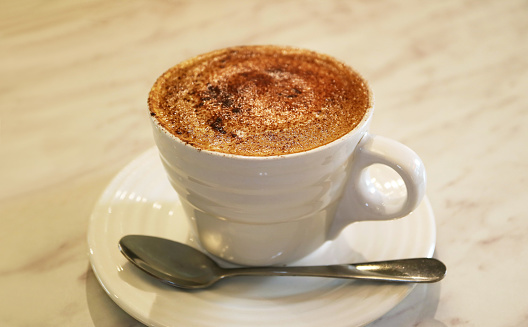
259, 100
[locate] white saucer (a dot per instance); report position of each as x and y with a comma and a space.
140, 201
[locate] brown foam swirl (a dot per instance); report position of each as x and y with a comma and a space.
259, 100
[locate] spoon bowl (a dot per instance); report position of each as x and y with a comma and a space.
182, 266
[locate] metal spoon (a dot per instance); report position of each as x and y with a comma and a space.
182, 266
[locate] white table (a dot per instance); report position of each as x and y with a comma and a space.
450, 79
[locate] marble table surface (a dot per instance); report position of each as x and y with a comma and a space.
450, 79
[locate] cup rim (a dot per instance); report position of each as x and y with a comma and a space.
364, 121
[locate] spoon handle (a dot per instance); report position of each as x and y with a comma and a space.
417, 270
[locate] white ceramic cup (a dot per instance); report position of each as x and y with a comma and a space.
273, 210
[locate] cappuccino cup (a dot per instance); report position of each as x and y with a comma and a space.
269, 150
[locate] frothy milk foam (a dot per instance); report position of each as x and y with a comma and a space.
259, 100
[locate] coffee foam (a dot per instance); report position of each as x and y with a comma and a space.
259, 100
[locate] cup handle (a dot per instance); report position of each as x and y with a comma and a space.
364, 199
